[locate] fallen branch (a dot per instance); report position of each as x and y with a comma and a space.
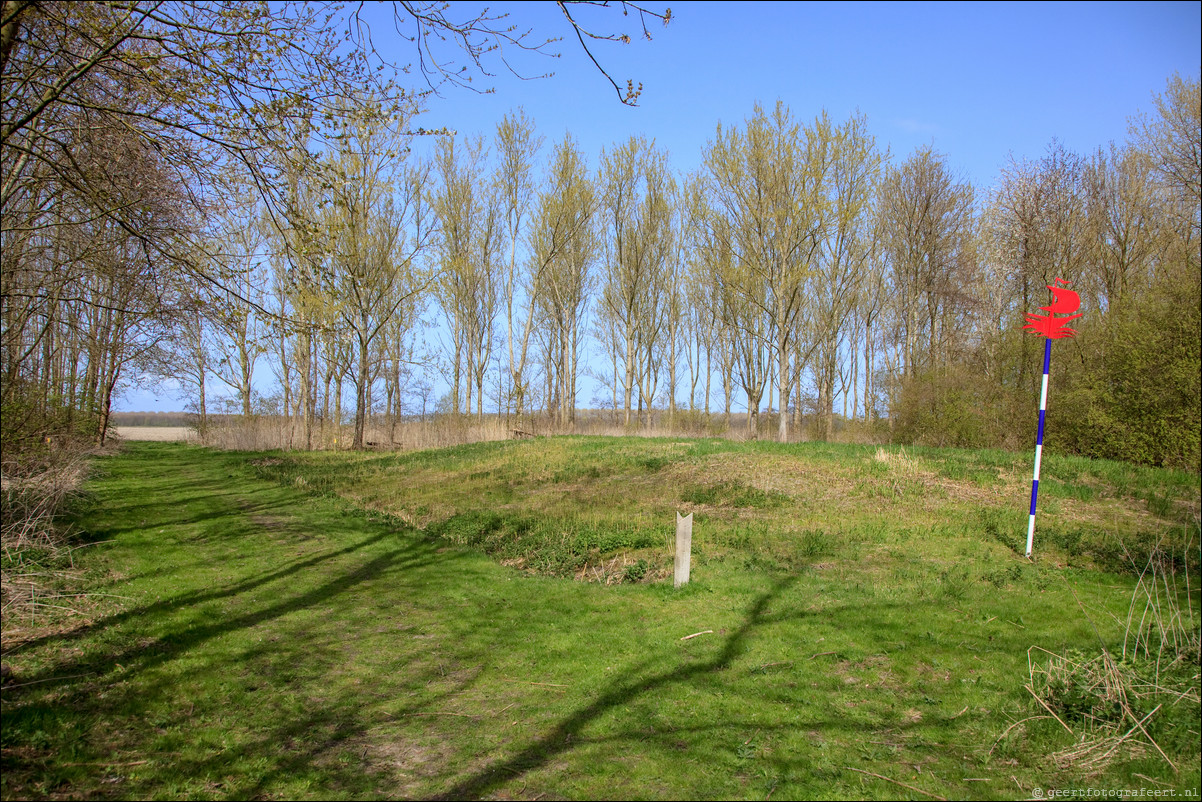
48, 679
528, 682
895, 782
781, 663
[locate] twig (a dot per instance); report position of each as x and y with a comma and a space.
962, 712
820, 654
1012, 726
1045, 707
48, 679
695, 634
1140, 724
895, 782
460, 715
131, 763
527, 682
1020, 626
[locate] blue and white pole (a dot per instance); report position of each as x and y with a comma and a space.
1043, 408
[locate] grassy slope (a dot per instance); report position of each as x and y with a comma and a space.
869, 616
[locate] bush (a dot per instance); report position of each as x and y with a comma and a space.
1135, 391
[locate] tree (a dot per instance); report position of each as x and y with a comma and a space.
516, 144
82, 290
240, 329
1173, 141
637, 210
373, 221
769, 182
219, 93
1038, 222
563, 249
469, 244
843, 270
927, 218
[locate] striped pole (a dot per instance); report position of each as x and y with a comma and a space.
1043, 408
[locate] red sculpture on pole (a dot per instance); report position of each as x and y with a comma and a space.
1064, 301
1050, 326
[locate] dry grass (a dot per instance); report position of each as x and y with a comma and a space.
1157, 628
1103, 696
272, 432
36, 558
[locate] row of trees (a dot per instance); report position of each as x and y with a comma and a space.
798, 267
189, 202
142, 146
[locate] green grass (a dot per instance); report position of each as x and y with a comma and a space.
410, 626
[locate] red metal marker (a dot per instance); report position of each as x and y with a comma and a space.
1065, 301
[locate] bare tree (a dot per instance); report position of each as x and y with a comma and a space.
517, 146
843, 264
927, 221
1173, 140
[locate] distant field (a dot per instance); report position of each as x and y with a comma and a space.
159, 433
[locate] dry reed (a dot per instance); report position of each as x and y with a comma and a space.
267, 432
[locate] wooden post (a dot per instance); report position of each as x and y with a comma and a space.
684, 545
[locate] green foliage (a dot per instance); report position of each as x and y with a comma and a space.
557, 547
636, 571
1136, 394
1127, 388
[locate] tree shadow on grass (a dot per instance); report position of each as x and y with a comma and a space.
621, 693
147, 654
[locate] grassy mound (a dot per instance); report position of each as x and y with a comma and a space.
859, 624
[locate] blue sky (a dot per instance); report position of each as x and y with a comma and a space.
977, 81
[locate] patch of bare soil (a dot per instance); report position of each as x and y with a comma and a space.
410, 764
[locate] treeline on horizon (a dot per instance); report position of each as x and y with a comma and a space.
153, 225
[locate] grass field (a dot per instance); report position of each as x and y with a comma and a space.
498, 621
